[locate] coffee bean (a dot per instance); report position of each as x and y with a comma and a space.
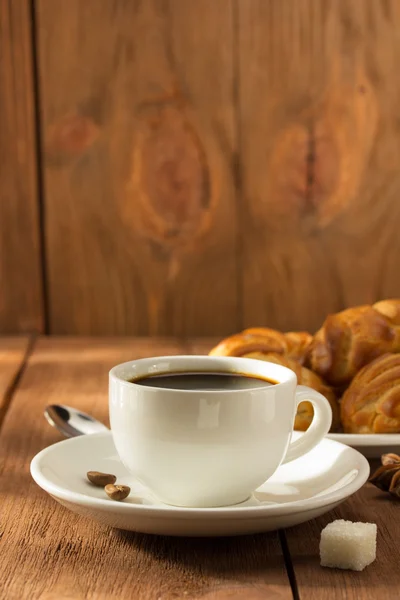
100, 479
117, 492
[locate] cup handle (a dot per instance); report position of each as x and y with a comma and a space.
319, 427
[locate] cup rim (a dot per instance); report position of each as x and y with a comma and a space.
288, 375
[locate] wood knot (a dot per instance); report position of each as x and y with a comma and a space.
317, 164
169, 186
71, 136
304, 169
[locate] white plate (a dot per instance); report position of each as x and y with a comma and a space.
297, 492
371, 445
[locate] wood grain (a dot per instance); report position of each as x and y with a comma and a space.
20, 276
12, 355
380, 580
319, 130
48, 552
138, 129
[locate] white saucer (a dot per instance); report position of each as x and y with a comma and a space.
297, 492
371, 445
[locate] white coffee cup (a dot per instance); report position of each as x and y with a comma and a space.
209, 448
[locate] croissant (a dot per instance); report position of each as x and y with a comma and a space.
251, 340
354, 337
294, 345
371, 404
305, 411
298, 345
390, 309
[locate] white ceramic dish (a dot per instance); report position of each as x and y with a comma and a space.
297, 492
370, 445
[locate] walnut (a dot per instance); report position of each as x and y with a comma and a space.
387, 477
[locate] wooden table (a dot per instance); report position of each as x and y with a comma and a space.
47, 552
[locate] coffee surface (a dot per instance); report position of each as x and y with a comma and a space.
207, 381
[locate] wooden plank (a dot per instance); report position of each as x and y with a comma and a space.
138, 129
48, 552
12, 355
320, 162
20, 276
380, 580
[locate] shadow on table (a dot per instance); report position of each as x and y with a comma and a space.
218, 557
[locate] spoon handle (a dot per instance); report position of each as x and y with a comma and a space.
72, 422
86, 426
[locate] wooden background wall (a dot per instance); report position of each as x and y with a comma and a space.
193, 167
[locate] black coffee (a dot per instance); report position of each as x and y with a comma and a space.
208, 381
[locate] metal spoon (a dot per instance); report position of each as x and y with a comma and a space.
72, 422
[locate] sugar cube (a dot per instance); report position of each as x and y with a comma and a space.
348, 545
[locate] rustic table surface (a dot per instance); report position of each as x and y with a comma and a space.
47, 552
